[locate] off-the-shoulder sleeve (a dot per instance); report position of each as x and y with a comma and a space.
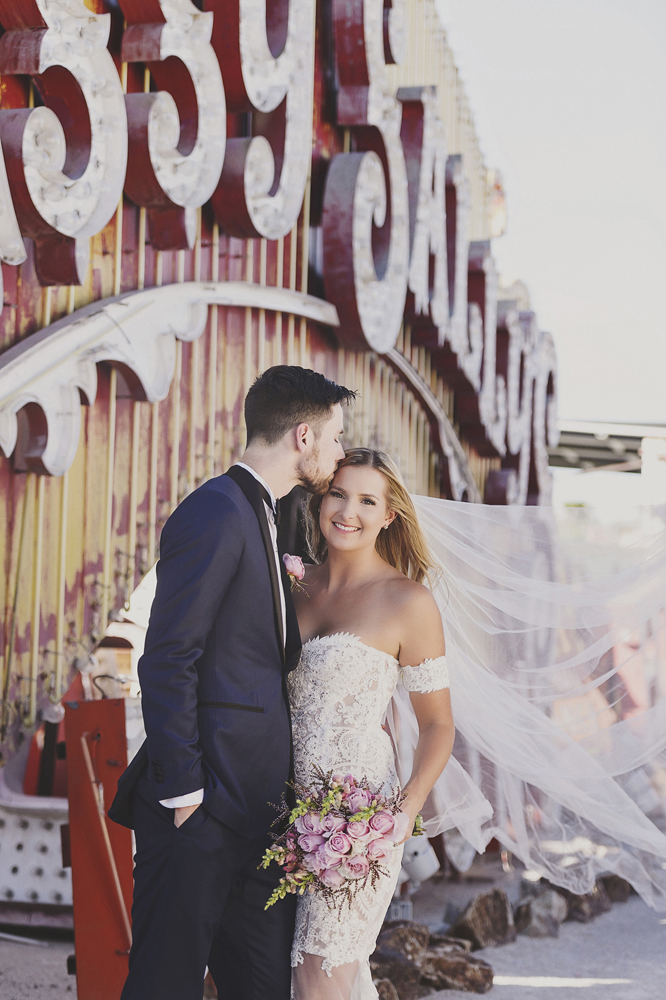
431, 675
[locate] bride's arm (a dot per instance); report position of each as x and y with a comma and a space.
424, 640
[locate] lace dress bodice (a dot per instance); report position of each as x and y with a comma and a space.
339, 695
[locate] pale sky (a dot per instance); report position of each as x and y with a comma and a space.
569, 98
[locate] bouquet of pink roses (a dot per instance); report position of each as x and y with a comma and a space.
338, 838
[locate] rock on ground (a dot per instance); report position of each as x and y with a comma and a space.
618, 889
39, 973
410, 939
541, 916
446, 968
417, 963
386, 990
403, 974
587, 907
487, 922
628, 943
452, 943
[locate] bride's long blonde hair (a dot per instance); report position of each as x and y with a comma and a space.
403, 544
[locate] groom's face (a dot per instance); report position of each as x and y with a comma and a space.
318, 464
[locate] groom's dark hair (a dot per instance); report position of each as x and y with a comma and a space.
287, 395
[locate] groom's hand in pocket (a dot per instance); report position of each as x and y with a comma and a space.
183, 813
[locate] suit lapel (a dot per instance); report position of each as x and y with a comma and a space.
293, 645
250, 487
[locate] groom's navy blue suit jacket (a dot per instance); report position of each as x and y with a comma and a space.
213, 673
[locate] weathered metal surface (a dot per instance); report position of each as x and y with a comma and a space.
459, 483
44, 377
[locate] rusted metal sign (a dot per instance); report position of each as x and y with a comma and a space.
395, 214
190, 193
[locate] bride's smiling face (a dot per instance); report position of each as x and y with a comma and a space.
355, 509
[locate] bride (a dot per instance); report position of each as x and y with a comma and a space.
367, 622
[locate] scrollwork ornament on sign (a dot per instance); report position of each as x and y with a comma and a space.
45, 376
177, 135
458, 217
492, 401
544, 419
424, 145
12, 247
266, 51
365, 219
66, 160
517, 337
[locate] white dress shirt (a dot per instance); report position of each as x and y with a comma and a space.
196, 798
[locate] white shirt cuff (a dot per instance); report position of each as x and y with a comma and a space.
180, 801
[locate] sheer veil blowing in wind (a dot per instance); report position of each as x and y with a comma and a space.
557, 657
556, 648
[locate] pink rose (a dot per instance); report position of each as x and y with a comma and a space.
332, 824
402, 827
314, 862
323, 859
356, 867
380, 850
339, 844
294, 566
291, 839
318, 859
337, 779
310, 841
331, 877
383, 822
358, 799
360, 830
331, 859
310, 823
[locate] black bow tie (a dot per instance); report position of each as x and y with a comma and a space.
274, 507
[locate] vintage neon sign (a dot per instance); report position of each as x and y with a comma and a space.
395, 230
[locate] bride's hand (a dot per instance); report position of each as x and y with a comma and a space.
405, 823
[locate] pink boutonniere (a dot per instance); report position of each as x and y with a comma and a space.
295, 571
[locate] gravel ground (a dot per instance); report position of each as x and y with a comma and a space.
34, 971
627, 944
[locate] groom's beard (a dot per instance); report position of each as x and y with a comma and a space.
310, 476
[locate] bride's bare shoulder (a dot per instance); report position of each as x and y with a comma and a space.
410, 596
418, 620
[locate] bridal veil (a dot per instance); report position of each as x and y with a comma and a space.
556, 646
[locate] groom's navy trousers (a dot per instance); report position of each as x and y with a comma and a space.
216, 711
199, 900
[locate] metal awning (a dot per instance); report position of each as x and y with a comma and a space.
588, 445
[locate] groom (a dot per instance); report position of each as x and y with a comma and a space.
222, 637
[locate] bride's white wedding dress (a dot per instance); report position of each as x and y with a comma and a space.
339, 695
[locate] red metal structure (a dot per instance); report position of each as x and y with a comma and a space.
101, 851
